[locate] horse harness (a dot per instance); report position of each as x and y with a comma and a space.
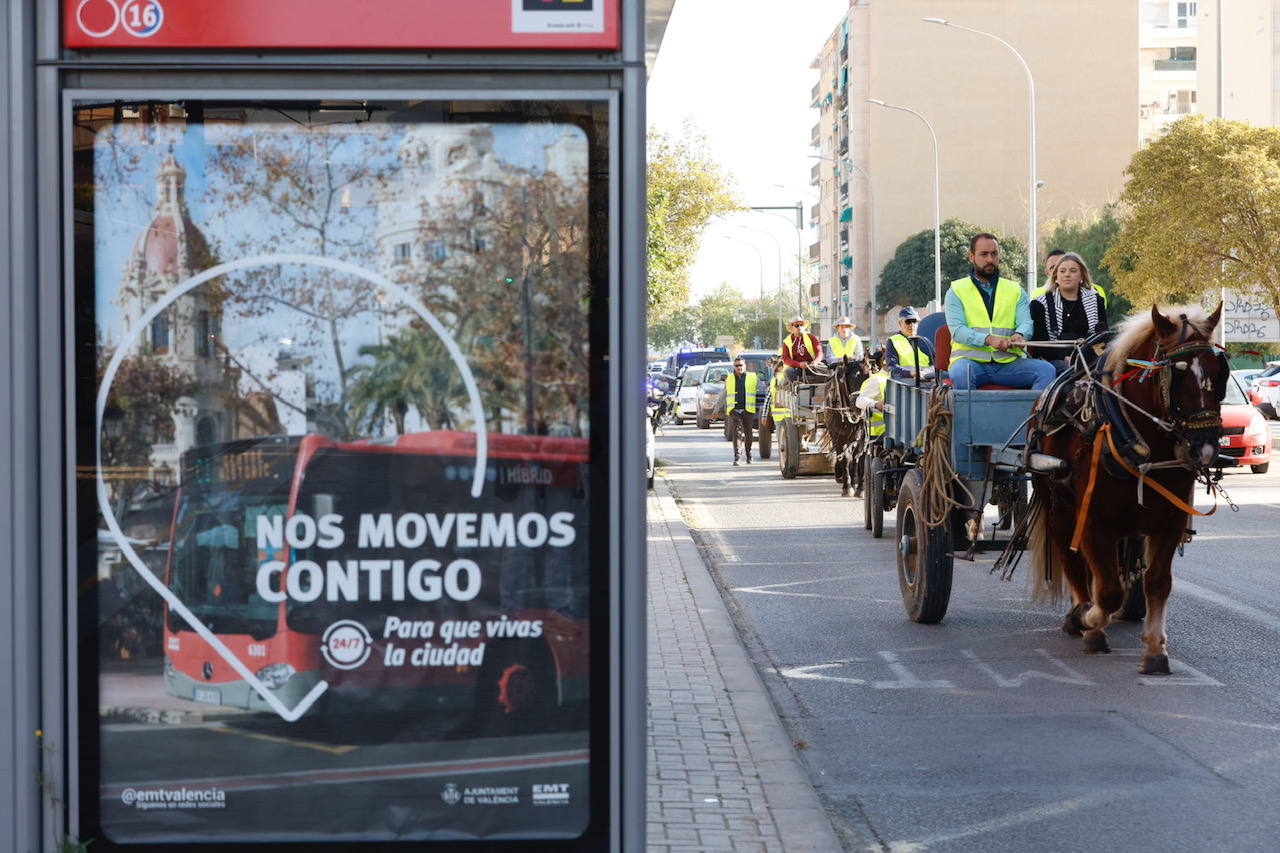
1087, 401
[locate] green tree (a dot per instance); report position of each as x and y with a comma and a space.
674, 329
723, 311
1203, 205
686, 190
1090, 237
908, 278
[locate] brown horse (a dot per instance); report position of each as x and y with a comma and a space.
845, 427
1134, 438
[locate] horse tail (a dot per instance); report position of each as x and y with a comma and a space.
1046, 578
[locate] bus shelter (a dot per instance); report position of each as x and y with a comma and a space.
325, 505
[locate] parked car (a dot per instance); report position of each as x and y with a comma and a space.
687, 393
1267, 384
1245, 436
711, 392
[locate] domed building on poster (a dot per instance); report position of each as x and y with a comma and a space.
185, 336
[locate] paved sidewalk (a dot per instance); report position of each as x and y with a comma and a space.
722, 771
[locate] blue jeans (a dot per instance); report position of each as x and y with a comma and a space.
1030, 373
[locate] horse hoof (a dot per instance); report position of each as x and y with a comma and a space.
1096, 644
1073, 625
845, 492
1155, 665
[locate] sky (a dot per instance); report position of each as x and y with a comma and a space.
740, 70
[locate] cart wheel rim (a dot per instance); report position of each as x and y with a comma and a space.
909, 546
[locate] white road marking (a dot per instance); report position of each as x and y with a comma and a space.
906, 678
810, 672
1006, 822
1239, 608
1072, 676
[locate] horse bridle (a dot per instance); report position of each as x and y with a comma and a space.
1186, 425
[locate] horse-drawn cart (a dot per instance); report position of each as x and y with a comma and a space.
801, 449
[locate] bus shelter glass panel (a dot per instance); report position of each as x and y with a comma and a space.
335, 370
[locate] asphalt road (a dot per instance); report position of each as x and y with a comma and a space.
993, 731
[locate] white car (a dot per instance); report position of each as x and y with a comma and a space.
1267, 386
687, 396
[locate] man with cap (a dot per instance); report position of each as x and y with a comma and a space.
905, 351
843, 343
799, 349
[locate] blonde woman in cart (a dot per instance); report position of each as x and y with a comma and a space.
1070, 309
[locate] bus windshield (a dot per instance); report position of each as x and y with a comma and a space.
215, 554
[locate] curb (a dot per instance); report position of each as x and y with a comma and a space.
797, 812
159, 716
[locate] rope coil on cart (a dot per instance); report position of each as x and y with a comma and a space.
936, 464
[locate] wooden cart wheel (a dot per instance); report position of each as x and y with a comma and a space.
875, 495
924, 555
764, 442
789, 449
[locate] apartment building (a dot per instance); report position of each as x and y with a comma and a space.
1167, 54
973, 92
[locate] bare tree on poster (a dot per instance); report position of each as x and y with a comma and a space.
290, 188
513, 271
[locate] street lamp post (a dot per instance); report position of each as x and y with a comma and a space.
871, 197
799, 242
799, 226
1032, 183
759, 259
777, 245
937, 202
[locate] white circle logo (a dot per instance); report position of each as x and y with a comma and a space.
142, 18
346, 644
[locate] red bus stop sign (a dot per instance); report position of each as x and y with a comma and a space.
387, 24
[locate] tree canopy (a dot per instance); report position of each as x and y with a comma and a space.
1203, 205
686, 190
908, 278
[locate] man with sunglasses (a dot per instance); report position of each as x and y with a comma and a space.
800, 349
902, 358
740, 406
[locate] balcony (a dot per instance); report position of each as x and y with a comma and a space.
1175, 65
815, 174
817, 88
815, 251
815, 212
844, 284
815, 290
815, 136
844, 145
844, 189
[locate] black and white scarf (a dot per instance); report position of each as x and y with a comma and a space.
1053, 309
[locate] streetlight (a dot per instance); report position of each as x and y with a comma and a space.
1032, 183
937, 204
759, 258
871, 196
800, 243
777, 245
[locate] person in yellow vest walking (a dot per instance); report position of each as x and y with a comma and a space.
843, 343
990, 322
740, 406
901, 358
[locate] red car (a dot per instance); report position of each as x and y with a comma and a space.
1245, 436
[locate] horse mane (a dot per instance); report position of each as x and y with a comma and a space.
1139, 329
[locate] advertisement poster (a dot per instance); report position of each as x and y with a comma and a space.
334, 437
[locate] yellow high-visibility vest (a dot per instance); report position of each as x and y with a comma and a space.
1004, 323
731, 401
875, 417
779, 413
907, 353
841, 348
